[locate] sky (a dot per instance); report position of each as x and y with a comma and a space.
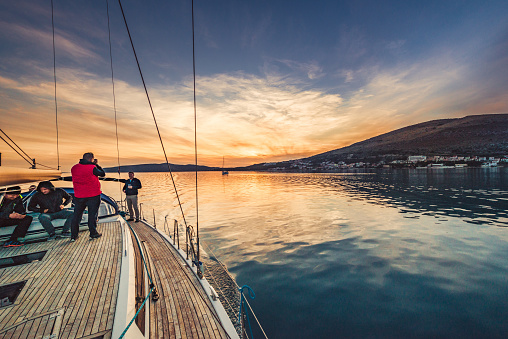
275, 80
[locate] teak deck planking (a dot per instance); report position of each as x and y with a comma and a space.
70, 293
183, 309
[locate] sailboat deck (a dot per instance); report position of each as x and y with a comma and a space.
70, 293
183, 309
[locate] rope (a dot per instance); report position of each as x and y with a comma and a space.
242, 300
134, 318
142, 256
195, 128
152, 285
153, 114
114, 101
54, 76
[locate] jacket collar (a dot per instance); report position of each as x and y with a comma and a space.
85, 162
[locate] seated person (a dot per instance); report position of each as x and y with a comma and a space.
50, 202
12, 213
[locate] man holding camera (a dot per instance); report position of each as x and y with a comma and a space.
87, 193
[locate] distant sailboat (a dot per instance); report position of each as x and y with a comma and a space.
223, 171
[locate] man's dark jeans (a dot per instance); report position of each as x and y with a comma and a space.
46, 218
80, 204
21, 228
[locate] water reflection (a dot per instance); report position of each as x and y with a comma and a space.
381, 254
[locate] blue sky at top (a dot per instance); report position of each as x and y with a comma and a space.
276, 79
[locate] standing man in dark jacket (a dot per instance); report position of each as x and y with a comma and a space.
50, 202
12, 213
87, 193
131, 191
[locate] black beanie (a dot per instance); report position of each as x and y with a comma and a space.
13, 190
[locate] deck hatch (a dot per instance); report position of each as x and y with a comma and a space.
21, 259
9, 293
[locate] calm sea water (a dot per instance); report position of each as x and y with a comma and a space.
386, 254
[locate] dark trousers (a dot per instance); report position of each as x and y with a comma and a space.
80, 204
21, 226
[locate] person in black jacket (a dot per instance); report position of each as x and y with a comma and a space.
50, 202
12, 213
131, 191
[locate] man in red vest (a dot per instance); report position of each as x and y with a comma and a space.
87, 193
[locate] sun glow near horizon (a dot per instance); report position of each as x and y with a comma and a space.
277, 107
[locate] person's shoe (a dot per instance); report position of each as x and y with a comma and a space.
95, 236
74, 239
65, 235
137, 220
51, 237
16, 244
130, 219
7, 244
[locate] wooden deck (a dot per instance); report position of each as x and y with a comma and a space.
183, 309
70, 293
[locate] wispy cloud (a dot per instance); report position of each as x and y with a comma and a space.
311, 69
245, 117
65, 44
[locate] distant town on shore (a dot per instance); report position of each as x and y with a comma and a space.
413, 161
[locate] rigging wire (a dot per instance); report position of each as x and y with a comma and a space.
54, 76
114, 101
31, 160
31, 163
195, 128
195, 136
153, 114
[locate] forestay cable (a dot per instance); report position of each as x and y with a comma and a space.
54, 76
195, 129
153, 114
114, 101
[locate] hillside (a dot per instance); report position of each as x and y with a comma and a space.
478, 135
472, 135
160, 168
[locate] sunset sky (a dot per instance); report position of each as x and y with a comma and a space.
276, 80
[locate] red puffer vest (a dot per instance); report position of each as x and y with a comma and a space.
85, 183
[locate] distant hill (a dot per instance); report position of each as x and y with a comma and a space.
472, 135
160, 168
480, 135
